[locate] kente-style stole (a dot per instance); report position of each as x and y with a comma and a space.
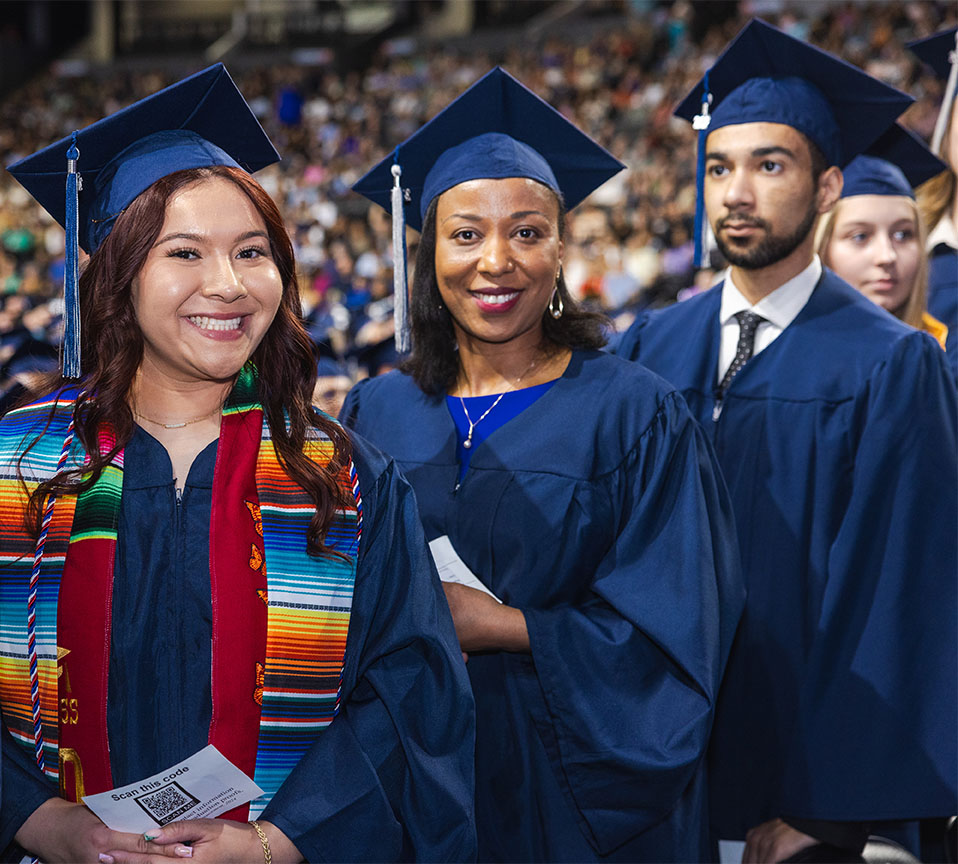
280, 616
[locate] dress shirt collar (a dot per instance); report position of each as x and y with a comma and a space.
944, 232
778, 308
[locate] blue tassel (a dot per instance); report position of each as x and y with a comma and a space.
71, 291
701, 123
402, 336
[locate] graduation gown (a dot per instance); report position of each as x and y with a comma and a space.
599, 513
943, 295
838, 444
385, 781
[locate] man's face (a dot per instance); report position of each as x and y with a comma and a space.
760, 196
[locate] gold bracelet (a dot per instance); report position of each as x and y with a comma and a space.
264, 840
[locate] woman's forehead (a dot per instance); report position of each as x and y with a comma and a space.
212, 200
487, 197
876, 209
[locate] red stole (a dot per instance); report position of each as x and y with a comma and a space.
238, 592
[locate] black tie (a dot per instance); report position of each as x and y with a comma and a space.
747, 325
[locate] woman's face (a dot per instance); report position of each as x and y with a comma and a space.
498, 254
209, 288
875, 247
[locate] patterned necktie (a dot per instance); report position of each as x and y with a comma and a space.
747, 325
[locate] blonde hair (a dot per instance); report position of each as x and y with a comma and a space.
916, 305
936, 196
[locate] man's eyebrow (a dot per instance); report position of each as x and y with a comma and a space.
758, 153
774, 151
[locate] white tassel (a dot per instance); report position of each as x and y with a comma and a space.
946, 106
400, 294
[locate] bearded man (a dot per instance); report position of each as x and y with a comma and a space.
835, 427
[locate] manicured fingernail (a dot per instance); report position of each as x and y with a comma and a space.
105, 859
183, 851
150, 837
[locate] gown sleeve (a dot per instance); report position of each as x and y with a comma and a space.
23, 790
630, 676
882, 669
391, 779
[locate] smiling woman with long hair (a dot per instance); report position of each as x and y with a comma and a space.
190, 554
581, 525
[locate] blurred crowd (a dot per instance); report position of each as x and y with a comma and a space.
629, 245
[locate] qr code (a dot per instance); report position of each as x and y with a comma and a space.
167, 803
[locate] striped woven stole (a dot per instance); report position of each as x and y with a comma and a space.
308, 599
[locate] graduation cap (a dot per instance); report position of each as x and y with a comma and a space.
201, 121
893, 165
767, 76
940, 52
936, 51
497, 128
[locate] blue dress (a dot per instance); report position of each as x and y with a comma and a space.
597, 511
391, 778
838, 444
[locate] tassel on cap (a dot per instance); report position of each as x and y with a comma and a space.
701, 123
71, 293
400, 292
946, 106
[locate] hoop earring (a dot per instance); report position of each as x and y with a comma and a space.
556, 310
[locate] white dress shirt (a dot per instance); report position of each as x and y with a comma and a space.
778, 309
945, 232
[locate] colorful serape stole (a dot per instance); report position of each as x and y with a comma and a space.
274, 709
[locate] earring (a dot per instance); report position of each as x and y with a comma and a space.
556, 310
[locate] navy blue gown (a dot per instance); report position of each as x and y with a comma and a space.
598, 511
838, 444
943, 295
391, 778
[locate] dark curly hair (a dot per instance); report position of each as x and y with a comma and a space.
434, 361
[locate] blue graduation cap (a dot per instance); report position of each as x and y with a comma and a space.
497, 128
940, 52
201, 121
894, 165
936, 51
767, 76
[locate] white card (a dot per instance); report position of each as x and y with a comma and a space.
452, 568
201, 787
731, 851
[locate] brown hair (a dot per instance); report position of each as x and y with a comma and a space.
112, 347
917, 303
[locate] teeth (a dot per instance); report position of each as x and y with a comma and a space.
205, 323
498, 299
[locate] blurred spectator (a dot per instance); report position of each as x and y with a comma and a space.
628, 247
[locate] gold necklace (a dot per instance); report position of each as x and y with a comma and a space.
179, 425
467, 444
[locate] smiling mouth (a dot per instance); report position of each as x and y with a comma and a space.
205, 323
497, 299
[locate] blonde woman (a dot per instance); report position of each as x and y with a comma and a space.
874, 238
937, 199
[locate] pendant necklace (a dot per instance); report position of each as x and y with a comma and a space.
467, 444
